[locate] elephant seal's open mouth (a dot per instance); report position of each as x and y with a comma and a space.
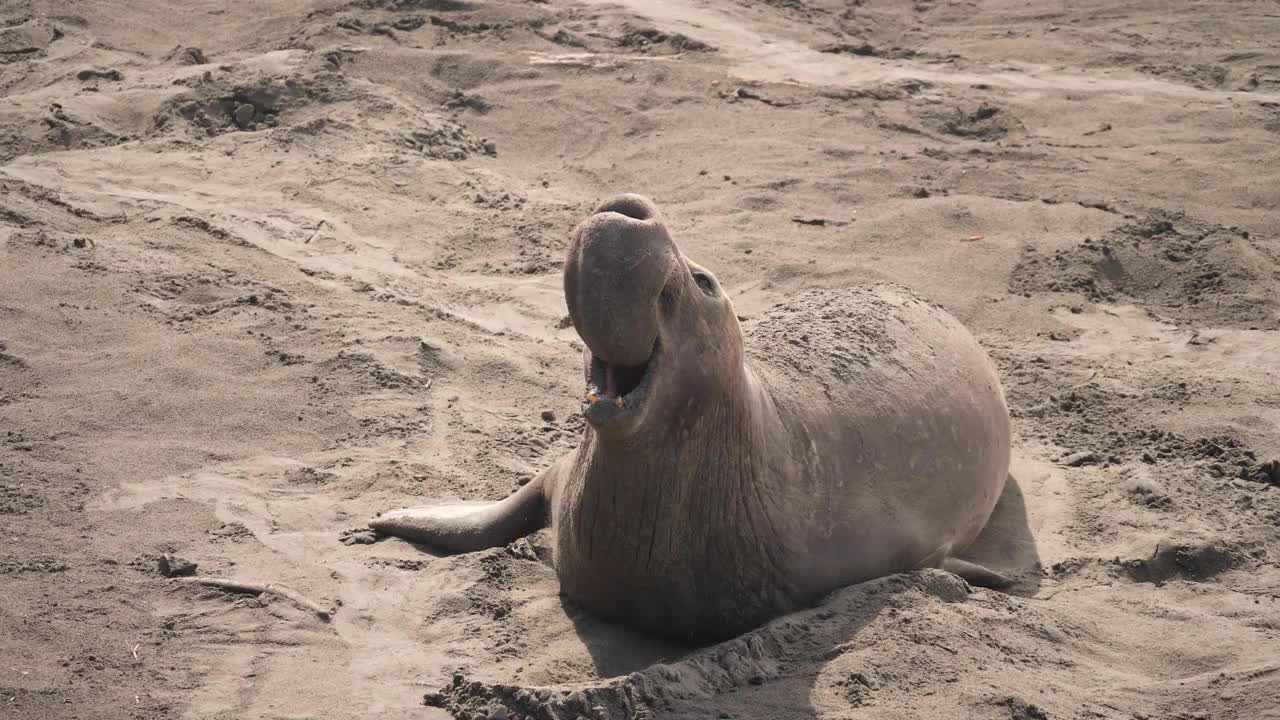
616, 390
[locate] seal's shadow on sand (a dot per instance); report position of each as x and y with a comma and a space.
1006, 543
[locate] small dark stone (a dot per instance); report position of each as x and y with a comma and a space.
1080, 458
1268, 472
91, 74
244, 115
171, 566
1020, 709
434, 699
193, 56
549, 415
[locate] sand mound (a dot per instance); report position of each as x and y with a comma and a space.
985, 122
1186, 269
781, 649
217, 106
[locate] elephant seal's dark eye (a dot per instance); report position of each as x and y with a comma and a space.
704, 281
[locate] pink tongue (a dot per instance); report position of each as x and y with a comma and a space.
610, 382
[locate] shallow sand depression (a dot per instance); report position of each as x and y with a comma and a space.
267, 269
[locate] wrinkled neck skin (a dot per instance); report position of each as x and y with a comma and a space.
671, 518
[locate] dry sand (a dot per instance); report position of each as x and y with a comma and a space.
269, 267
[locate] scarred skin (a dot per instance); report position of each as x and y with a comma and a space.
853, 434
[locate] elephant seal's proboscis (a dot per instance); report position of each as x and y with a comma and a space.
724, 480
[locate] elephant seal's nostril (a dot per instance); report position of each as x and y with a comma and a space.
636, 207
617, 265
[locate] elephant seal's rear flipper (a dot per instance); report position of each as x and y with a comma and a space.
975, 574
466, 527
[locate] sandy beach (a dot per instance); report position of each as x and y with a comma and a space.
269, 268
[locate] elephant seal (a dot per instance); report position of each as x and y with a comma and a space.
725, 480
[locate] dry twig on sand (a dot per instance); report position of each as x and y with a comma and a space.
283, 591
319, 226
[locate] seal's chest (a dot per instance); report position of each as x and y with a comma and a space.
688, 590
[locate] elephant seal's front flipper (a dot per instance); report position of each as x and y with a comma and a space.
975, 574
466, 527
